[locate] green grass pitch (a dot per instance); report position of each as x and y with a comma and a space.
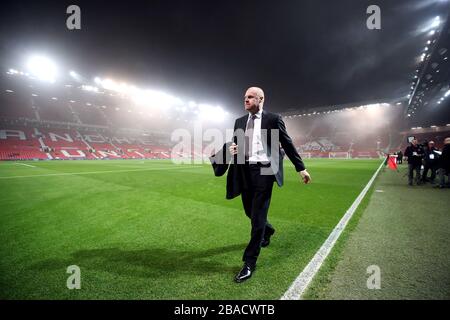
154, 230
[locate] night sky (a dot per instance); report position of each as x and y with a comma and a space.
302, 53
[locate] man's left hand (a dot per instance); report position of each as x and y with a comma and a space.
305, 176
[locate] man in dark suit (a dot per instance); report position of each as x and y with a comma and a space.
254, 167
444, 165
431, 161
414, 154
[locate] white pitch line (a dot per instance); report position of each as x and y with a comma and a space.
95, 172
24, 164
301, 283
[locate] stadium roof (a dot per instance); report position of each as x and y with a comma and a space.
430, 86
308, 53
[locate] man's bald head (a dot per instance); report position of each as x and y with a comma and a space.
256, 90
254, 99
447, 140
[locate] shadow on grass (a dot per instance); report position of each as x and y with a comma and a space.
147, 263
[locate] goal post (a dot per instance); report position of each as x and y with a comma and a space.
305, 155
339, 155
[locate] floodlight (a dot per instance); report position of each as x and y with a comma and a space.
42, 68
210, 113
89, 88
435, 22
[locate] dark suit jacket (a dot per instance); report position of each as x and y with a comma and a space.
444, 159
221, 160
236, 177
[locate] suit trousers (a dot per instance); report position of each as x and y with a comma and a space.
429, 166
256, 200
442, 174
411, 168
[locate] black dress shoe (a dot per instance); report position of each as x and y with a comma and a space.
245, 273
266, 240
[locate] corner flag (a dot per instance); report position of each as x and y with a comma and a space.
392, 163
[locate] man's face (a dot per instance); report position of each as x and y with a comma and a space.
430, 144
252, 101
414, 142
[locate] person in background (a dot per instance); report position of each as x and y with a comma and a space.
414, 155
430, 160
400, 157
444, 165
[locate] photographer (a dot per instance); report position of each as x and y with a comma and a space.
444, 165
414, 154
431, 159
400, 157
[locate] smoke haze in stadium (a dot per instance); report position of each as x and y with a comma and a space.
303, 53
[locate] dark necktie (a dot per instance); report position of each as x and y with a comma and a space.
249, 136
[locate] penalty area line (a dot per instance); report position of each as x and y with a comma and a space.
301, 283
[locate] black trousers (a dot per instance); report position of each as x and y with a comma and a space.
442, 174
433, 168
411, 168
256, 200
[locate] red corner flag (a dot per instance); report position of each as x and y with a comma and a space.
392, 162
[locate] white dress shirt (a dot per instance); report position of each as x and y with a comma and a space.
258, 154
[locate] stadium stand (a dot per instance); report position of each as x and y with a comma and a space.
65, 144
90, 115
49, 108
15, 105
52, 122
20, 144
362, 131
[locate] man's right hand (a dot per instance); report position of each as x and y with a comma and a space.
233, 149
